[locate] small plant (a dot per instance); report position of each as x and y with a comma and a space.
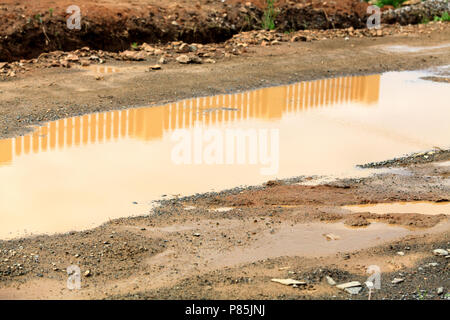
445, 17
421, 294
268, 21
134, 45
38, 18
51, 12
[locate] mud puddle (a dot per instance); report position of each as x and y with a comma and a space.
76, 173
421, 207
286, 239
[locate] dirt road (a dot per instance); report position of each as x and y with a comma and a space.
53, 93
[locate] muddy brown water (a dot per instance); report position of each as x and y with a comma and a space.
77, 173
422, 207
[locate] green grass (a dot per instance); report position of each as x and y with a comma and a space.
268, 20
445, 17
394, 3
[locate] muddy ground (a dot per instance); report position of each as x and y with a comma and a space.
231, 244
187, 248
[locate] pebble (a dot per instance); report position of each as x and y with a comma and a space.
330, 281
289, 282
397, 280
353, 290
155, 67
346, 285
440, 252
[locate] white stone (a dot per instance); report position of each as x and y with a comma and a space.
346, 285
289, 282
330, 281
440, 252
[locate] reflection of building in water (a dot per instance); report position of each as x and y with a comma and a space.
150, 123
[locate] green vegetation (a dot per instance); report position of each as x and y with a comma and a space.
268, 21
134, 45
38, 18
445, 17
394, 3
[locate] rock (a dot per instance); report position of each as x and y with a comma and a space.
433, 264
224, 209
401, 253
330, 281
210, 61
148, 48
298, 38
196, 59
184, 48
397, 280
330, 236
87, 273
155, 67
133, 55
353, 290
3, 64
196, 234
162, 60
183, 59
440, 252
440, 290
289, 282
72, 58
346, 285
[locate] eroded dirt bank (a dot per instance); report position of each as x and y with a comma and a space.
31, 28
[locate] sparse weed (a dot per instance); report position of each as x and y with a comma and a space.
445, 17
268, 21
394, 3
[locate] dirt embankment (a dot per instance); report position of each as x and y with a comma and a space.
31, 28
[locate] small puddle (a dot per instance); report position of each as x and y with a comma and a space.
421, 207
79, 172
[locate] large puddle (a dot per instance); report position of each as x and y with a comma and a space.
77, 173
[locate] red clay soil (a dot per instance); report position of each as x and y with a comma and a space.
29, 28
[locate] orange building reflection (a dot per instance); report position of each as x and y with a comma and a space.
150, 123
